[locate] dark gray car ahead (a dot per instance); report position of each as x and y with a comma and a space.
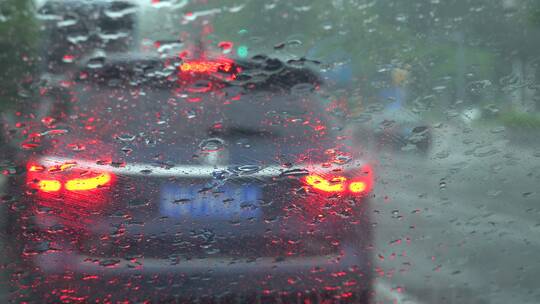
175, 180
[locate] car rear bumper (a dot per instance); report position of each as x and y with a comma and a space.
159, 280
329, 256
60, 262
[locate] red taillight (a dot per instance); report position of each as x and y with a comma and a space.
91, 183
66, 176
205, 66
49, 185
222, 68
360, 184
334, 184
35, 168
74, 190
357, 186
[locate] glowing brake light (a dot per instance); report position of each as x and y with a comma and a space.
357, 187
49, 185
36, 168
81, 184
336, 184
66, 177
204, 66
359, 184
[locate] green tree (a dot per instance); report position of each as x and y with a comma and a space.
18, 33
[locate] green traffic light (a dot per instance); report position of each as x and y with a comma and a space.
242, 51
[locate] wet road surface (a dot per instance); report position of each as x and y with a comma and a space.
461, 225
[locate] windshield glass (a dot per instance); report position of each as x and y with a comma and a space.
234, 151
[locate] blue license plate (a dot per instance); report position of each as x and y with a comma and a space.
183, 201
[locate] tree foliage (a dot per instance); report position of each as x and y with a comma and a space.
18, 35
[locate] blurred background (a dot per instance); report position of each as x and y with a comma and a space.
458, 57
457, 218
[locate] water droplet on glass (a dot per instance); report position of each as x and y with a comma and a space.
442, 185
126, 150
211, 145
245, 169
295, 172
221, 175
484, 151
125, 137
136, 203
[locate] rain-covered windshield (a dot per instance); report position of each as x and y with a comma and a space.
233, 151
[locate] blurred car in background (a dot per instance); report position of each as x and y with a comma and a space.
387, 123
73, 29
394, 128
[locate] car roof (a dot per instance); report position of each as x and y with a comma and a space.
259, 72
66, 5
